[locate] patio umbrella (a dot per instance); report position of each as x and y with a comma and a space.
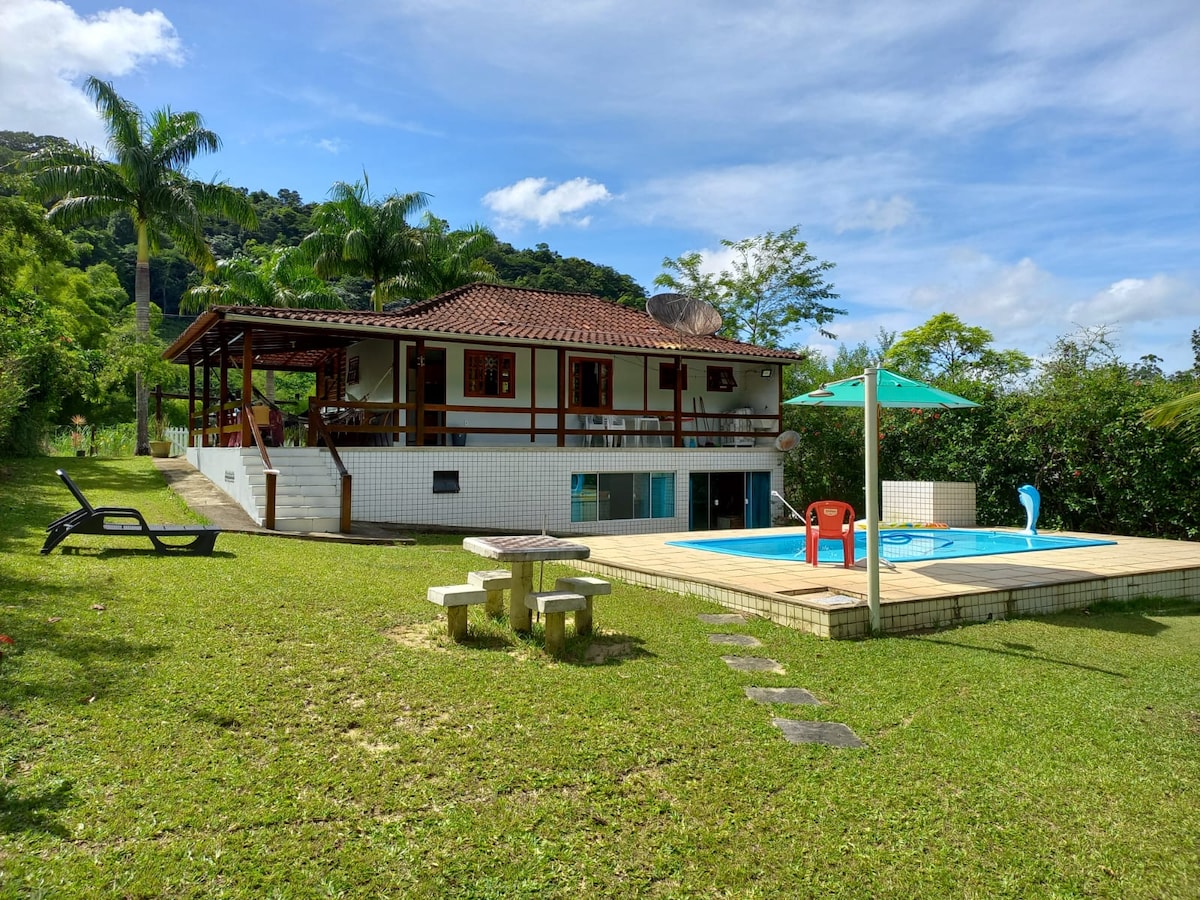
870, 390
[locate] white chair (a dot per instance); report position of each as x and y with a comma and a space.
644, 424
591, 423
613, 424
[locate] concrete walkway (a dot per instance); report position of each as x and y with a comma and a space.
206, 499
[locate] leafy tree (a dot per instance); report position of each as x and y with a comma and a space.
773, 283
945, 348
358, 235
452, 258
541, 268
148, 178
282, 278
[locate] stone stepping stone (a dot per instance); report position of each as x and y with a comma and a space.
834, 734
740, 640
797, 696
753, 664
722, 618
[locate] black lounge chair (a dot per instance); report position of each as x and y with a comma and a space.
89, 519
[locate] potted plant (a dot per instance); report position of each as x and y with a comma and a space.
160, 444
79, 423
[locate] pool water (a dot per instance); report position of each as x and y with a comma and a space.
895, 545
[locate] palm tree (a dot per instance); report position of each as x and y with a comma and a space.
147, 178
357, 235
282, 278
453, 258
1181, 412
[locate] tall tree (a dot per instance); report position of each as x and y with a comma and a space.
773, 282
282, 278
452, 258
944, 347
148, 178
358, 235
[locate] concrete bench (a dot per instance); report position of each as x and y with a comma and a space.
555, 605
456, 598
589, 587
495, 582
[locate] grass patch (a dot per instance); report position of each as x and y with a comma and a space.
287, 718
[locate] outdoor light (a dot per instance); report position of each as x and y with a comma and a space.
765, 373
820, 392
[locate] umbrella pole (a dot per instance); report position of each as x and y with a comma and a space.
871, 427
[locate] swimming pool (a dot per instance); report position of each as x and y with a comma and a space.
895, 545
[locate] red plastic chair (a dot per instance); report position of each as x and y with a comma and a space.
834, 522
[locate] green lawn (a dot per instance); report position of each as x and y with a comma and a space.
286, 718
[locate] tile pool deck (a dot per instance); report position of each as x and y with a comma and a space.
831, 601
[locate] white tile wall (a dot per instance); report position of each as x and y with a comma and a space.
952, 502
526, 489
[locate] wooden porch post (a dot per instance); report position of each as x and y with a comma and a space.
191, 403
419, 412
561, 357
224, 393
678, 439
396, 435
206, 402
533, 399
247, 385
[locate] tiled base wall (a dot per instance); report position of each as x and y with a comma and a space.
524, 489
919, 615
951, 502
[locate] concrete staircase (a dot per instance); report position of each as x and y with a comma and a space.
307, 490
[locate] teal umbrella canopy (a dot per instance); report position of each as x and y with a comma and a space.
892, 390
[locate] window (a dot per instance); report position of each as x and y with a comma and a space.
622, 495
352, 370
666, 377
591, 383
445, 481
489, 374
720, 378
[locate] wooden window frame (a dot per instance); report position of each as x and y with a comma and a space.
666, 376
575, 385
720, 379
478, 359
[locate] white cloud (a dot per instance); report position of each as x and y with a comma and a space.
46, 48
331, 145
1141, 301
879, 215
535, 200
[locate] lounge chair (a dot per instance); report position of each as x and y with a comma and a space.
90, 519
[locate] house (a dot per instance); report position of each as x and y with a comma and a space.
489, 407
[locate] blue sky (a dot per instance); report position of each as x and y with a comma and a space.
1030, 166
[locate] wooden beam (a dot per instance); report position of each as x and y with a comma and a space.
247, 385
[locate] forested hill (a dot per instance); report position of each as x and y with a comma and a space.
283, 221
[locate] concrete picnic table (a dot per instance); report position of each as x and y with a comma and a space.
522, 551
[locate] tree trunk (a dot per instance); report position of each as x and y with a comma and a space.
141, 300
270, 385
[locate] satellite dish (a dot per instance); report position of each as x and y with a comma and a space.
687, 315
787, 441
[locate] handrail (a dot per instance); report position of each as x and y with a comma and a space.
317, 422
269, 470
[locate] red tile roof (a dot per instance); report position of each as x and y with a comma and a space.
507, 314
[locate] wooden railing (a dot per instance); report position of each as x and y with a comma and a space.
268, 470
317, 428
354, 417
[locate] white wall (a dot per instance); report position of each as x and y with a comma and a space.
629, 392
515, 489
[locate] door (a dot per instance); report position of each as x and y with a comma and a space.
721, 500
435, 392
